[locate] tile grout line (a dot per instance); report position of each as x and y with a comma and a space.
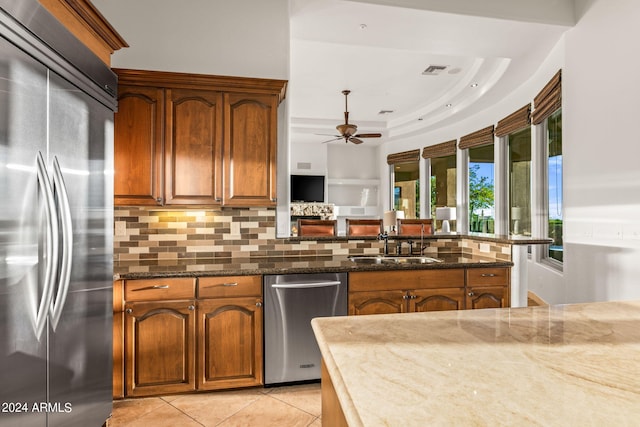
181, 411
293, 406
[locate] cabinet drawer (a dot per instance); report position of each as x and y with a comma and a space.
404, 280
487, 276
159, 289
229, 286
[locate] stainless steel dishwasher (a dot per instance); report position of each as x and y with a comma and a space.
291, 353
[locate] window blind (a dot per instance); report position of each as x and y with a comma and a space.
515, 121
404, 157
548, 100
477, 138
439, 150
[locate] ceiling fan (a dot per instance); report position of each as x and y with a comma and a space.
347, 130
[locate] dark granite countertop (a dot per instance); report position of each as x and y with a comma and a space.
496, 238
281, 265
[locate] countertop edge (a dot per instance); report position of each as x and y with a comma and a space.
245, 267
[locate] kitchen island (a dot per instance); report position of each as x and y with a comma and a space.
550, 365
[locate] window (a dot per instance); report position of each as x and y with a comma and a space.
520, 182
405, 173
554, 179
481, 189
443, 185
406, 188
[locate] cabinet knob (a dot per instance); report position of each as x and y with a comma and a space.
405, 296
128, 311
159, 200
191, 307
259, 304
471, 294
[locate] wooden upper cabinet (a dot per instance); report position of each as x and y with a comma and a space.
193, 139
138, 128
250, 150
193, 143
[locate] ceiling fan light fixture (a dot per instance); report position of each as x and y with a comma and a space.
347, 129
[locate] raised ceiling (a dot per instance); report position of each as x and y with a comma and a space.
380, 52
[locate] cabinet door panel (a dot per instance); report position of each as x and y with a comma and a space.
193, 147
250, 150
438, 299
230, 343
138, 146
159, 347
488, 297
377, 302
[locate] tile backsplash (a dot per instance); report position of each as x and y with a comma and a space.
152, 233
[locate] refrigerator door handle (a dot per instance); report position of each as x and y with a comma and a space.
51, 250
64, 277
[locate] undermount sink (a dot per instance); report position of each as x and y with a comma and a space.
381, 259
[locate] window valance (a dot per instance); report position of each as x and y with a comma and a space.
476, 139
404, 157
548, 100
439, 150
515, 121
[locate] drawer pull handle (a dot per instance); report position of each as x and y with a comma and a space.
488, 275
146, 288
226, 285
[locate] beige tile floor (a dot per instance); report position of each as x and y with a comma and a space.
288, 406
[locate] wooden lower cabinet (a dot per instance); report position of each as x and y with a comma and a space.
406, 291
437, 299
176, 345
377, 302
488, 288
229, 343
159, 347
428, 290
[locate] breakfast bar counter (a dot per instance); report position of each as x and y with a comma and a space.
557, 365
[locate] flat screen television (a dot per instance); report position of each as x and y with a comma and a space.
307, 188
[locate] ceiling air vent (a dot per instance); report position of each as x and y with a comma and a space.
434, 70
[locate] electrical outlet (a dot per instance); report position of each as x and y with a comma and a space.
120, 228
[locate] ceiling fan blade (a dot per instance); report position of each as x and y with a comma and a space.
330, 140
355, 140
328, 134
368, 135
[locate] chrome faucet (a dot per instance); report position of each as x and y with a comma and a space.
385, 237
422, 246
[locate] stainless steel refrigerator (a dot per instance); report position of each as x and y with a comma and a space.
56, 216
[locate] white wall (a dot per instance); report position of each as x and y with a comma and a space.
602, 153
352, 161
312, 155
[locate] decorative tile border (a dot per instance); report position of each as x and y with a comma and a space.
164, 234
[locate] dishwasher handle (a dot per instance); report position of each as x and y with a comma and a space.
302, 285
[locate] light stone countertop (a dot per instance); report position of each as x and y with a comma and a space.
563, 365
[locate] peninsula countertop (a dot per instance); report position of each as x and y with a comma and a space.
560, 365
